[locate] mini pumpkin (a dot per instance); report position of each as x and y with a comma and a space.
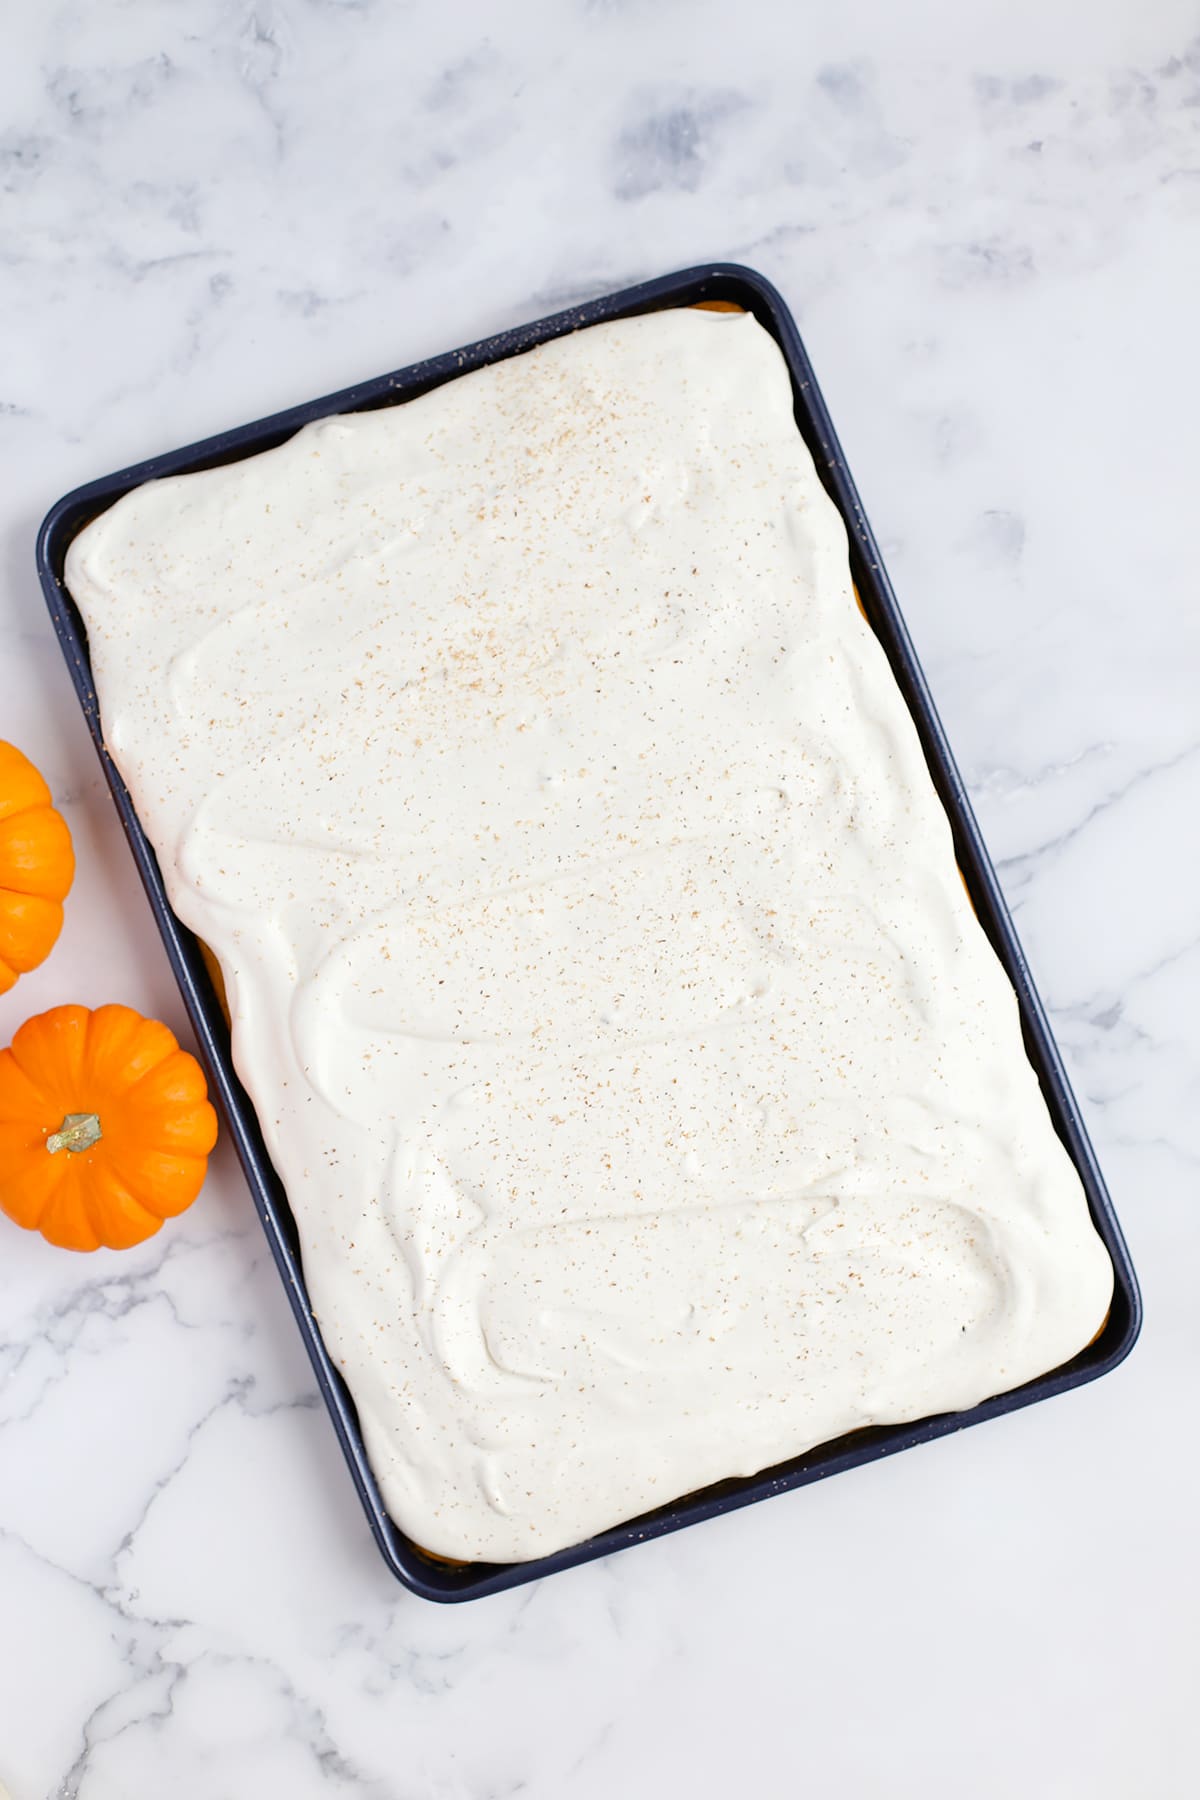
105, 1127
37, 866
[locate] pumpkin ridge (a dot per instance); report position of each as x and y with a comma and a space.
201, 1098
183, 1138
136, 1030
12, 893
62, 1208
17, 772
190, 1132
109, 1190
91, 1206
27, 1200
130, 1088
26, 921
186, 1166
28, 1052
39, 853
20, 1094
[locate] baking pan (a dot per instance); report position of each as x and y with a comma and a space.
744, 288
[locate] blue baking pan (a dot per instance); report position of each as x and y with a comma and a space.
718, 282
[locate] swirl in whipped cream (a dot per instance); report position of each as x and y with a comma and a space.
650, 1102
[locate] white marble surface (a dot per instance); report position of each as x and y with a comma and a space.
988, 221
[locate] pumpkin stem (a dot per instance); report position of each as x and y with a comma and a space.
78, 1131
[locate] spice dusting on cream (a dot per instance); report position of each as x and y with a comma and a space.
650, 1103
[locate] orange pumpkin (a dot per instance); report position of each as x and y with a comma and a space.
37, 865
105, 1127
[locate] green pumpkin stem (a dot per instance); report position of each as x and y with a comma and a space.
78, 1131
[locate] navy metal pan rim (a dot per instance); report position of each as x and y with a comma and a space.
746, 288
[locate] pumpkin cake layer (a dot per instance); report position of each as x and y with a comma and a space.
650, 1102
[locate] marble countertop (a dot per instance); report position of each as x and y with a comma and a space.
987, 220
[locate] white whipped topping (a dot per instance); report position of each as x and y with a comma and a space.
649, 1100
